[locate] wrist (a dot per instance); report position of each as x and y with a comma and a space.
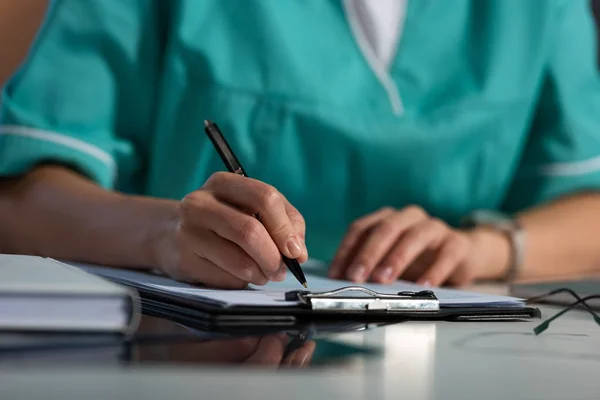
158, 220
491, 256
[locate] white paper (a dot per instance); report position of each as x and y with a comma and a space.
231, 298
273, 293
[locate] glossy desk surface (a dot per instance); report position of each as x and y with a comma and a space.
410, 360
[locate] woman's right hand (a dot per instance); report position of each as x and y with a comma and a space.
215, 239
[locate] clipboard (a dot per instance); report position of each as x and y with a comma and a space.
334, 306
346, 304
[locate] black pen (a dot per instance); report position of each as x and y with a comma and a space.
233, 165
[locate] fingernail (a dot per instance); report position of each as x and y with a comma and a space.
427, 283
386, 274
294, 246
304, 247
357, 273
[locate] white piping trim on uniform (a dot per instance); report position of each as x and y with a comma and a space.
575, 168
62, 140
377, 65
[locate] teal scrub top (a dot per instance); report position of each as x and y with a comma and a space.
501, 103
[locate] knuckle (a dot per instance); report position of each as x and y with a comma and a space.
416, 211
437, 225
431, 230
282, 232
217, 179
189, 201
273, 262
270, 197
249, 230
354, 226
192, 204
387, 210
247, 269
297, 218
357, 226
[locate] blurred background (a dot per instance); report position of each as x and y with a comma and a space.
19, 20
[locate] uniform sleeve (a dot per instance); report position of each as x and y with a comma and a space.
84, 91
563, 153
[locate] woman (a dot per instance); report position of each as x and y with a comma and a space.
415, 114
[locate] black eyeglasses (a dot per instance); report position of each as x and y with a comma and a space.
580, 301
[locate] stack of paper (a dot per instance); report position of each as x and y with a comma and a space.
273, 294
42, 294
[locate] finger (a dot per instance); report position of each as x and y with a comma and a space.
195, 269
381, 240
302, 356
269, 351
355, 234
425, 235
299, 224
227, 351
451, 256
264, 200
203, 211
226, 255
416, 269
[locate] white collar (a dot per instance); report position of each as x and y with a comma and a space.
377, 26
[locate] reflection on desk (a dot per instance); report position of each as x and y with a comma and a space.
160, 341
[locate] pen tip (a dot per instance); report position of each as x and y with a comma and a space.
305, 285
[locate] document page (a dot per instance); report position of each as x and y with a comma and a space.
273, 293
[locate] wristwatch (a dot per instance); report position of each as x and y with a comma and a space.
507, 226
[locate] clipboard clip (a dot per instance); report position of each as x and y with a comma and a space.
346, 300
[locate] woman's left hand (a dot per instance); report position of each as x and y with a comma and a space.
408, 244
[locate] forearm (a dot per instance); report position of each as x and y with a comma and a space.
19, 21
57, 213
562, 238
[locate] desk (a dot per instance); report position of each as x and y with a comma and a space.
417, 360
